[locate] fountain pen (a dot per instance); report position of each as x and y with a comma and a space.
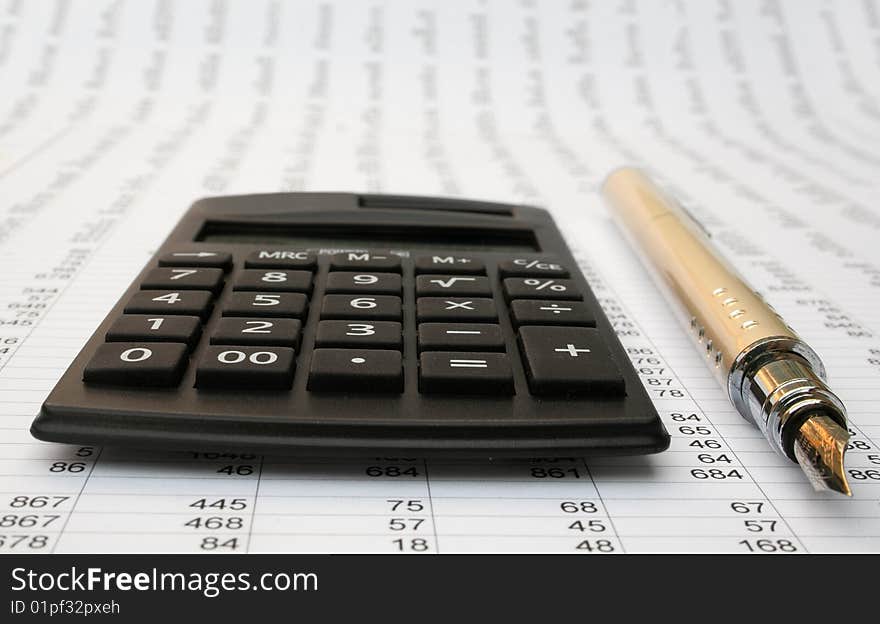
773, 378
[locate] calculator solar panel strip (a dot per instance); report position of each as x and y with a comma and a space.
330, 323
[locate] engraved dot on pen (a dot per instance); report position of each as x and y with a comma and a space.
719, 291
749, 324
736, 313
729, 302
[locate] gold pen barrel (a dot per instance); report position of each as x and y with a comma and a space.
772, 377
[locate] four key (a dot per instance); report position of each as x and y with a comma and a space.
186, 302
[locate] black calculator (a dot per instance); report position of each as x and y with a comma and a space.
328, 323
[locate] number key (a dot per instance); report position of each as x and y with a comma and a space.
277, 305
185, 302
378, 307
151, 328
136, 364
253, 331
184, 278
273, 281
245, 367
370, 283
372, 335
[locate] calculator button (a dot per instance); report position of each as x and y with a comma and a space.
184, 278
450, 264
252, 331
569, 361
465, 372
371, 283
355, 370
245, 367
372, 335
540, 288
455, 309
460, 337
137, 364
365, 260
151, 328
280, 259
532, 267
188, 258
461, 285
543, 312
185, 302
277, 305
376, 307
273, 281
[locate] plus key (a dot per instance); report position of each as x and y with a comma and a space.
569, 361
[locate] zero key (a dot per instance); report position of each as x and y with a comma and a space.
137, 364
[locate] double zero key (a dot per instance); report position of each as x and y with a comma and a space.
242, 367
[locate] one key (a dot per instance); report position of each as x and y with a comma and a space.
540, 288
370, 283
460, 337
376, 307
149, 328
137, 364
466, 265
465, 373
253, 331
454, 309
184, 278
280, 259
365, 261
185, 302
543, 312
569, 361
189, 258
274, 305
273, 281
532, 267
372, 335
452, 285
355, 370
244, 367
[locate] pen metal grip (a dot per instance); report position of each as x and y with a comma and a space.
727, 319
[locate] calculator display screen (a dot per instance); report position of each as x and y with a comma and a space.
363, 238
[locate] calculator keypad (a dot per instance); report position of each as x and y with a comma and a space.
358, 340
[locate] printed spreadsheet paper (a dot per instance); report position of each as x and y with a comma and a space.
763, 115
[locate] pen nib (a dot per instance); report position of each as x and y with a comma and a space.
819, 449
